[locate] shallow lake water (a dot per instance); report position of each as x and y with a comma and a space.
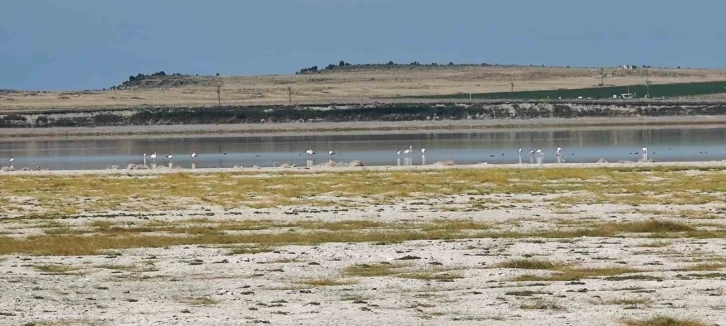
494, 147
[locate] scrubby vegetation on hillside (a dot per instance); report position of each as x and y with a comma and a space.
160, 79
342, 65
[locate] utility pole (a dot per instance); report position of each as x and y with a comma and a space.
647, 83
219, 95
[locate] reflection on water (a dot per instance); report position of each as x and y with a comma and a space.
675, 144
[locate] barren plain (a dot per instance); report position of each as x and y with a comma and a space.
586, 244
347, 86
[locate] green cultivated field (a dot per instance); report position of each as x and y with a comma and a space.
658, 90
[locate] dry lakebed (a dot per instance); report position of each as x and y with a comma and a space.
581, 244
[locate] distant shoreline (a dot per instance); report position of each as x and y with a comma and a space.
382, 168
363, 127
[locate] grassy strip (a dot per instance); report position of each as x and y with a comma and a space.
64, 196
663, 321
574, 274
657, 90
95, 243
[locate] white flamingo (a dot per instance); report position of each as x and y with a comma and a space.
520, 156
423, 151
169, 157
331, 153
310, 152
540, 154
194, 155
153, 158
645, 154
144, 158
558, 152
398, 152
409, 150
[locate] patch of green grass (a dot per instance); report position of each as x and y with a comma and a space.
633, 277
656, 90
374, 270
662, 321
433, 275
125, 268
249, 250
355, 297
524, 293
629, 302
529, 264
341, 225
655, 244
199, 301
62, 230
455, 225
703, 267
56, 269
541, 305
653, 226
721, 276
574, 273
400, 270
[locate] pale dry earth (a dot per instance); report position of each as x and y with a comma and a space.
286, 285
161, 169
351, 86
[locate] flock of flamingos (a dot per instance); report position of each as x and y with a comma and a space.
535, 157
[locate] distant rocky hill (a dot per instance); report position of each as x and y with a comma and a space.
163, 80
347, 66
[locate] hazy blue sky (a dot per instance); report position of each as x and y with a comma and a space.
78, 44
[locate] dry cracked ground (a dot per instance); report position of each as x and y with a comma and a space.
565, 246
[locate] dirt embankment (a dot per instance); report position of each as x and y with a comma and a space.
503, 110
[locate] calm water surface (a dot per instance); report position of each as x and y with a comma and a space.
586, 145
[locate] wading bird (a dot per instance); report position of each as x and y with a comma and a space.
520, 156
540, 155
153, 158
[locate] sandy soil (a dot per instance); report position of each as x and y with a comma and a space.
206, 285
357, 85
325, 168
